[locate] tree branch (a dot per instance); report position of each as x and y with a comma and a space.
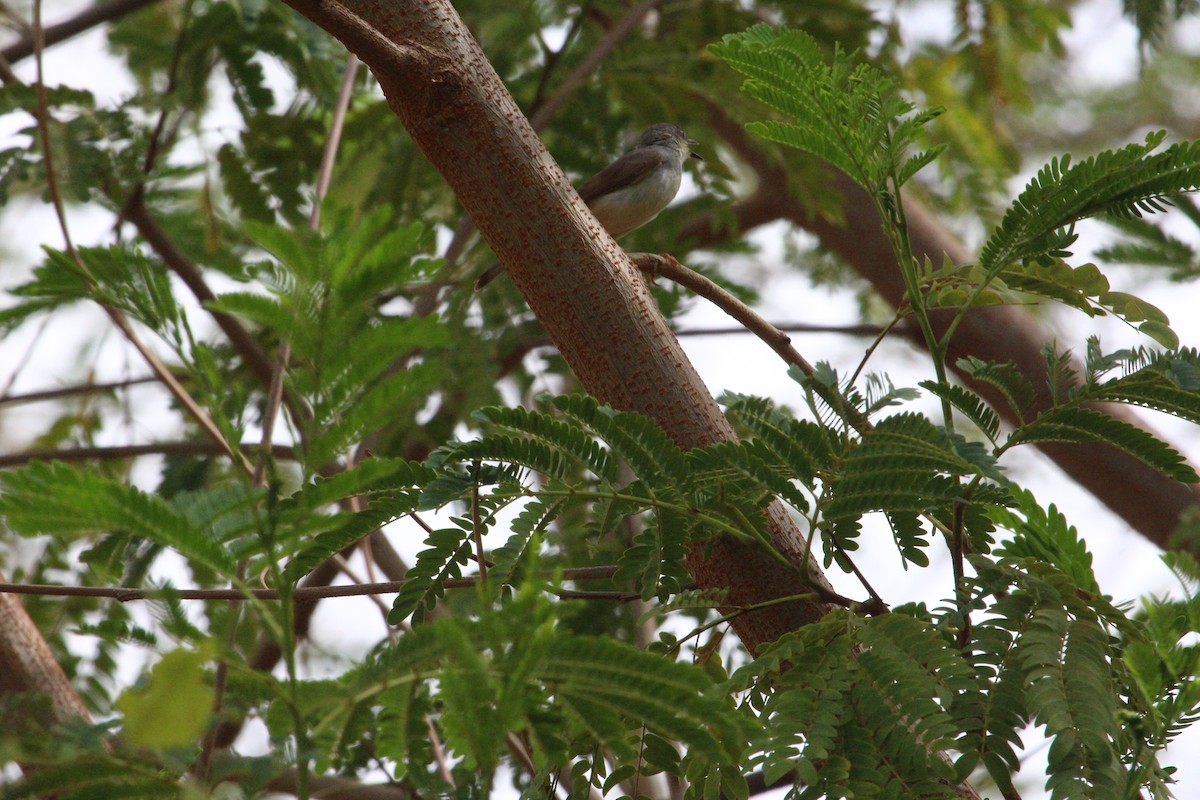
71, 391
84, 20
199, 447
579, 283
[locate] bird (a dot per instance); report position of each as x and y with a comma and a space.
632, 190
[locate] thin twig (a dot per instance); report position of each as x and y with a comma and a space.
199, 447
70, 391
89, 18
154, 146
477, 527
439, 754
667, 267
304, 593
790, 327
26, 357
336, 125
591, 62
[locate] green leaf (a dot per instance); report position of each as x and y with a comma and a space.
846, 114
172, 708
1046, 535
1125, 182
970, 404
56, 499
1160, 332
1006, 379
1074, 424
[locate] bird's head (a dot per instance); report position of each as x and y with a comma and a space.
665, 134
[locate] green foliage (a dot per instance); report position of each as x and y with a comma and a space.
846, 114
52, 498
1049, 658
516, 670
347, 360
172, 709
821, 691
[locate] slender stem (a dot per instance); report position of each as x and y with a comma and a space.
68, 391
97, 14
870, 351
958, 544
336, 125
439, 753
187, 448
118, 319
477, 529
667, 267
124, 595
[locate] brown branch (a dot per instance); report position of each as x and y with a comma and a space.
71, 391
543, 113
667, 267
199, 447
788, 327
304, 593
28, 666
579, 283
84, 20
252, 353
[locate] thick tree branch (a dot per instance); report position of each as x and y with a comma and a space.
579, 283
28, 666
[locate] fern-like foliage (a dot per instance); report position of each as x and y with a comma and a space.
1168, 382
1126, 182
849, 679
1026, 248
513, 670
845, 113
1160, 664
53, 498
1048, 657
1146, 244
905, 467
803, 447
343, 351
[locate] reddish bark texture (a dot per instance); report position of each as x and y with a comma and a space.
580, 284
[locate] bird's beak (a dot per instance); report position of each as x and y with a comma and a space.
693, 153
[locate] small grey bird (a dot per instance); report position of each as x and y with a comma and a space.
631, 191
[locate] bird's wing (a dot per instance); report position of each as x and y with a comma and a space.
623, 172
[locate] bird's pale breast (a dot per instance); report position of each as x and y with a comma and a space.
632, 207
